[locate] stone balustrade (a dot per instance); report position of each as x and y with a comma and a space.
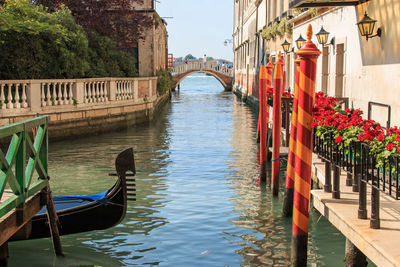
209, 65
24, 96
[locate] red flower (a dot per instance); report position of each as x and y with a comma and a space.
381, 137
339, 139
390, 146
361, 136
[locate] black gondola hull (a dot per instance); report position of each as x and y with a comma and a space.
86, 213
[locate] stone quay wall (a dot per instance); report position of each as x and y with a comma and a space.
79, 107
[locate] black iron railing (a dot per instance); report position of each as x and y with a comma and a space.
358, 161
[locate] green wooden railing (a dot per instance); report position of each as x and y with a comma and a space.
26, 155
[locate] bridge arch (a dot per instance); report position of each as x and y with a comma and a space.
225, 81
221, 72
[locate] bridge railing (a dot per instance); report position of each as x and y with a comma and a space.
198, 66
25, 157
28, 95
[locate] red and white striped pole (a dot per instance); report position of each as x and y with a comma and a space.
302, 185
263, 122
277, 123
290, 173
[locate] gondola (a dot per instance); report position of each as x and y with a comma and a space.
77, 214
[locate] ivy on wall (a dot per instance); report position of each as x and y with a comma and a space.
284, 27
281, 29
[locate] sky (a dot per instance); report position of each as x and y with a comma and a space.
198, 27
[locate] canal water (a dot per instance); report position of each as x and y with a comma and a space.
199, 200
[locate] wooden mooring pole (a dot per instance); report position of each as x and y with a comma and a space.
263, 122
353, 256
4, 255
53, 223
277, 124
290, 173
302, 187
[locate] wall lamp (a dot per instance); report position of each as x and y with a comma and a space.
286, 46
322, 37
300, 42
366, 27
228, 41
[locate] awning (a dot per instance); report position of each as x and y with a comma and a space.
323, 3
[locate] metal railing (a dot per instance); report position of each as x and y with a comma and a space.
26, 155
360, 164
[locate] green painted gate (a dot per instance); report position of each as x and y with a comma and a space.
24, 165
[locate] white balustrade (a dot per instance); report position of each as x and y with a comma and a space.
37, 95
95, 91
13, 94
124, 90
2, 99
56, 93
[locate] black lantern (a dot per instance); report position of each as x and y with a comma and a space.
300, 42
286, 46
322, 36
366, 27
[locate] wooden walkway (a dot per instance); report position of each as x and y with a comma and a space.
382, 246
12, 222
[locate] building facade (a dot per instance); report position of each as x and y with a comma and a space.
365, 71
252, 18
151, 51
349, 66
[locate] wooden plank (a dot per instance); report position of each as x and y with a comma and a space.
8, 223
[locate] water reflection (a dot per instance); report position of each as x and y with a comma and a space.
199, 202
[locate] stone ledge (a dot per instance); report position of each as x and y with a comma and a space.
379, 245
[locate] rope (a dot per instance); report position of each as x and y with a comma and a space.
281, 157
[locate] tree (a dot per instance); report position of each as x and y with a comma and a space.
117, 19
189, 56
36, 44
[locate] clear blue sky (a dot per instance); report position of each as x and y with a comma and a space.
198, 27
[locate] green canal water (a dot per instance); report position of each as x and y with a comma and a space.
199, 201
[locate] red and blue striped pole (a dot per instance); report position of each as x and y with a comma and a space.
290, 171
308, 55
263, 122
277, 123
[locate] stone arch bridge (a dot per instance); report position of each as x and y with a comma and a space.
222, 73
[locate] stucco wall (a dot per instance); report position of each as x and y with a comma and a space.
160, 46
371, 69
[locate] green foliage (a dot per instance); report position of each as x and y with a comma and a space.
313, 12
278, 29
267, 33
165, 81
107, 60
210, 58
189, 56
37, 44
